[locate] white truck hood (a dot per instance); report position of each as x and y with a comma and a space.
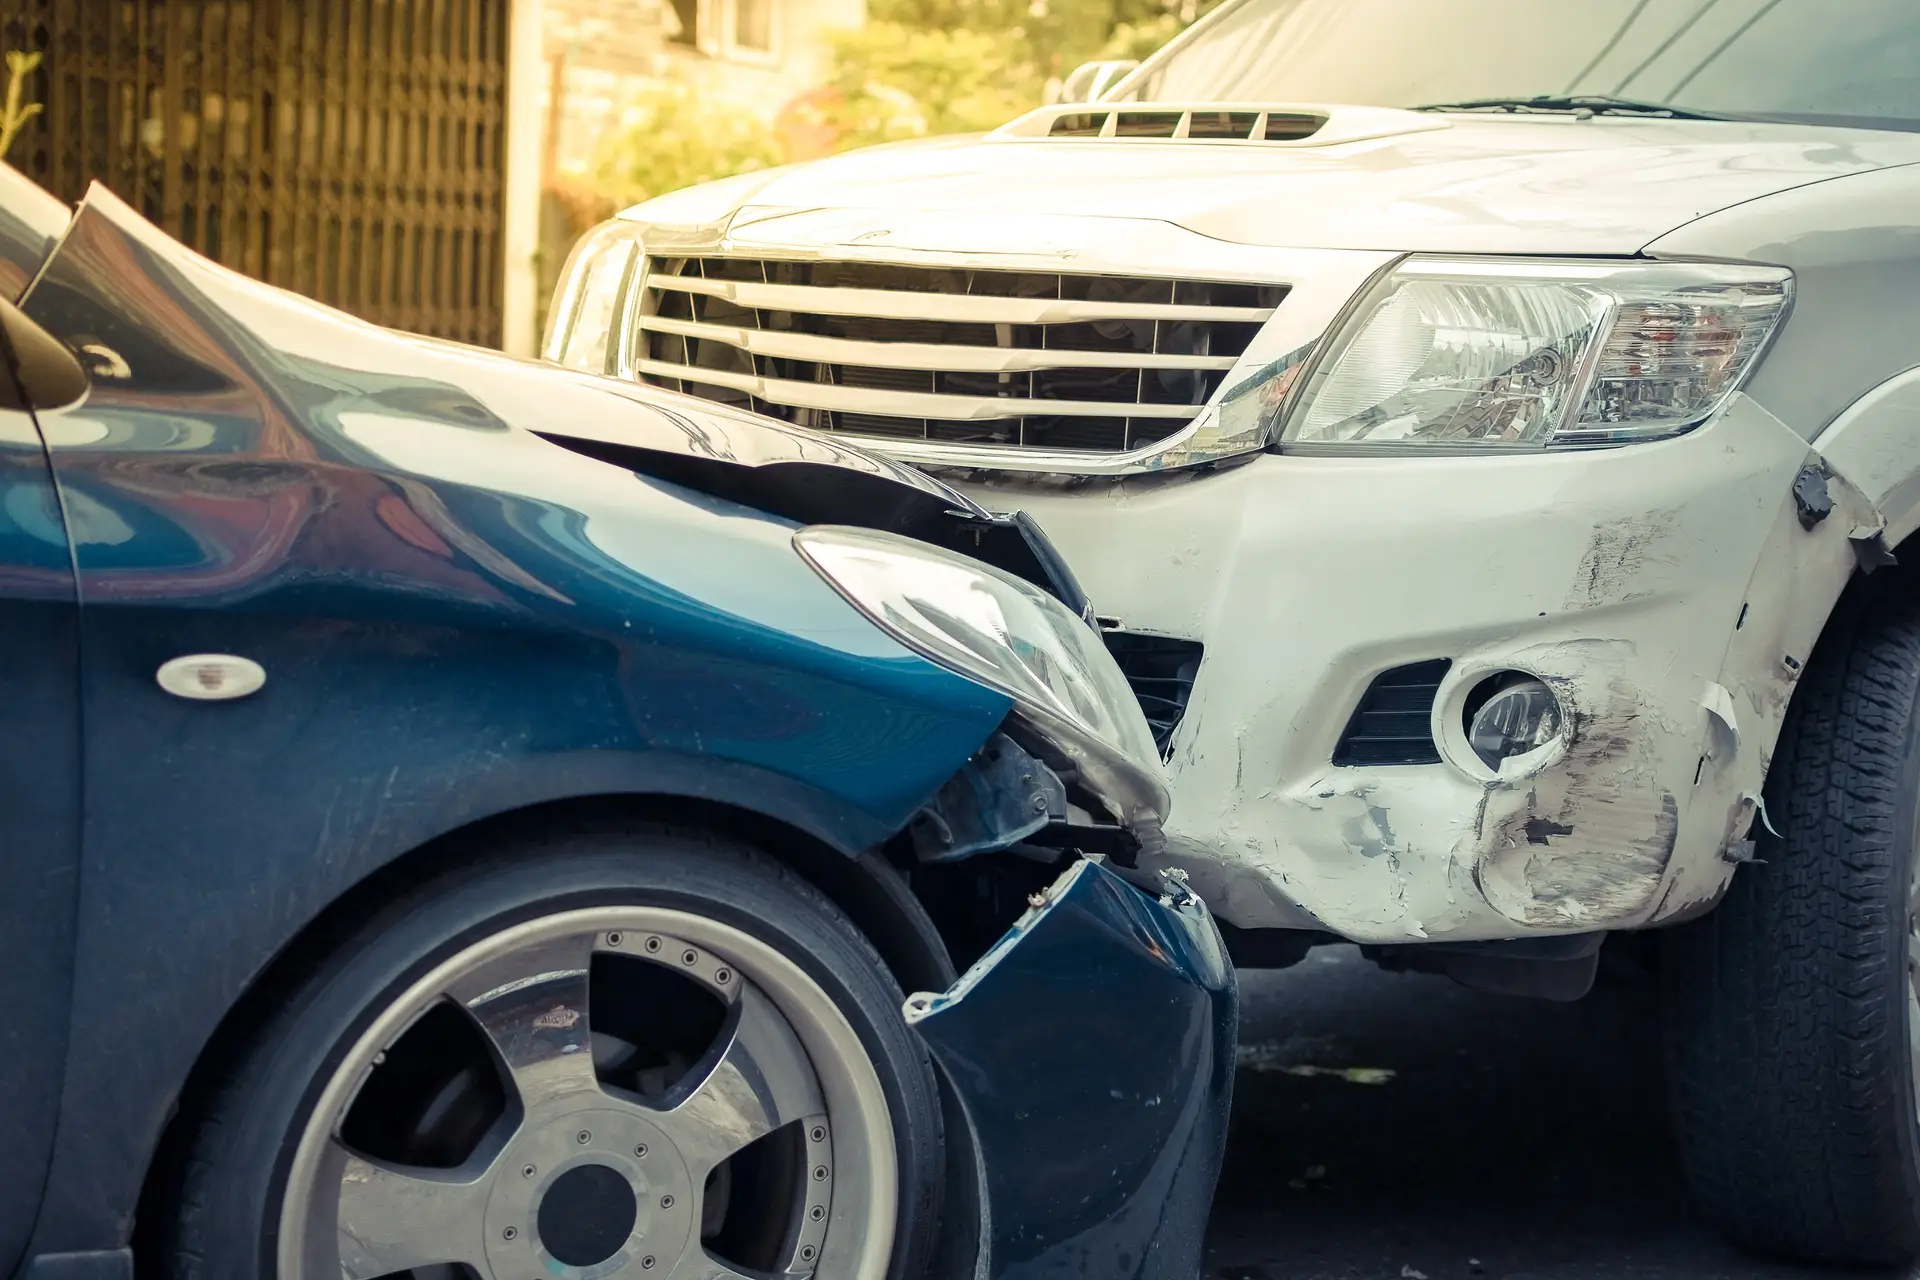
1440, 183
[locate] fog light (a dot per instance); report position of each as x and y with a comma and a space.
1521, 715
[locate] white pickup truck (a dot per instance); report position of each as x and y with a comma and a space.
1492, 427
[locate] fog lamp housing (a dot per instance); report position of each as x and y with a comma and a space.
1510, 715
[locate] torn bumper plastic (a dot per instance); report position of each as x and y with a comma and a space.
1092, 1050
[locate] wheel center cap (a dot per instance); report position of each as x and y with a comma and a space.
587, 1215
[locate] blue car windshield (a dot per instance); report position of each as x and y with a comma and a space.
1842, 62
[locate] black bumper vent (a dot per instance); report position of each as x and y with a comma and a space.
1161, 671
1394, 722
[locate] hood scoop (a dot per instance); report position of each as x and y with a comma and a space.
1283, 124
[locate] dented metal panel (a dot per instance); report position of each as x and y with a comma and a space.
1092, 1050
1619, 577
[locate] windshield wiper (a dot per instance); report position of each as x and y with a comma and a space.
1599, 104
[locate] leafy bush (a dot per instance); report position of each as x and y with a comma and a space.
892, 81
920, 67
671, 137
1137, 40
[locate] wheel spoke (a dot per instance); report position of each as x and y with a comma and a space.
698, 1264
759, 1079
532, 1003
390, 1219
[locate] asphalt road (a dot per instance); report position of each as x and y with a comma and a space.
1515, 1140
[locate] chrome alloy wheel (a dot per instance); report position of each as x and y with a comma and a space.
647, 1093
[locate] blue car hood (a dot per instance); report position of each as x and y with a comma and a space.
740, 457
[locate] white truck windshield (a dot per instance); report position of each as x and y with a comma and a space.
1844, 62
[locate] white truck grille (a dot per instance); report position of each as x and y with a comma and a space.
1018, 359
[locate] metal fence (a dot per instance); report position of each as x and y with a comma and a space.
352, 150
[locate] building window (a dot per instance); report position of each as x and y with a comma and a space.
753, 25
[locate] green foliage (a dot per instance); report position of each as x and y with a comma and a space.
1137, 40
671, 137
965, 66
892, 81
1050, 37
21, 63
919, 67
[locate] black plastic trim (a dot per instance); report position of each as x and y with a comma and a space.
1161, 670
1393, 723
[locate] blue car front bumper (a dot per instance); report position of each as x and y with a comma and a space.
1092, 1050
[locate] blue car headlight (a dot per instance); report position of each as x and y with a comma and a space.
1010, 635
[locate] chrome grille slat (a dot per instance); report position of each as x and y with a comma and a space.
1047, 362
910, 404
888, 304
921, 355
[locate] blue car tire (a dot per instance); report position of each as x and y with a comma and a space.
640, 1052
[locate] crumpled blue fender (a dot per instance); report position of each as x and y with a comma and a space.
1093, 1051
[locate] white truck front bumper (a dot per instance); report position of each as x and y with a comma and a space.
1661, 589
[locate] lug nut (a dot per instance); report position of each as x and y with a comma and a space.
646, 1263
641, 1151
510, 1233
528, 1171
583, 1137
666, 1202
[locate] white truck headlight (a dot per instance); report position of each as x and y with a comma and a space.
587, 304
1011, 636
1491, 354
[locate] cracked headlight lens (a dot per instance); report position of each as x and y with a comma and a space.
1485, 354
988, 625
586, 306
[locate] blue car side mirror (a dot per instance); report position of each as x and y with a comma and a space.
43, 373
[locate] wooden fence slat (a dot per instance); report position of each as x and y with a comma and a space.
350, 149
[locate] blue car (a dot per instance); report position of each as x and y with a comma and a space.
466, 818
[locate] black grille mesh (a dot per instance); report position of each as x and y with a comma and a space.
1394, 722
1161, 670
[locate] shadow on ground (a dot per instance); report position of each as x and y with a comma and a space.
1516, 1140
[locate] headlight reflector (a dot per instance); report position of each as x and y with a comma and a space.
1517, 718
1490, 354
988, 625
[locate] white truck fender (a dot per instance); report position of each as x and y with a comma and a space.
1875, 444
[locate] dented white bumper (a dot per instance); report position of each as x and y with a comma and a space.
1640, 582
